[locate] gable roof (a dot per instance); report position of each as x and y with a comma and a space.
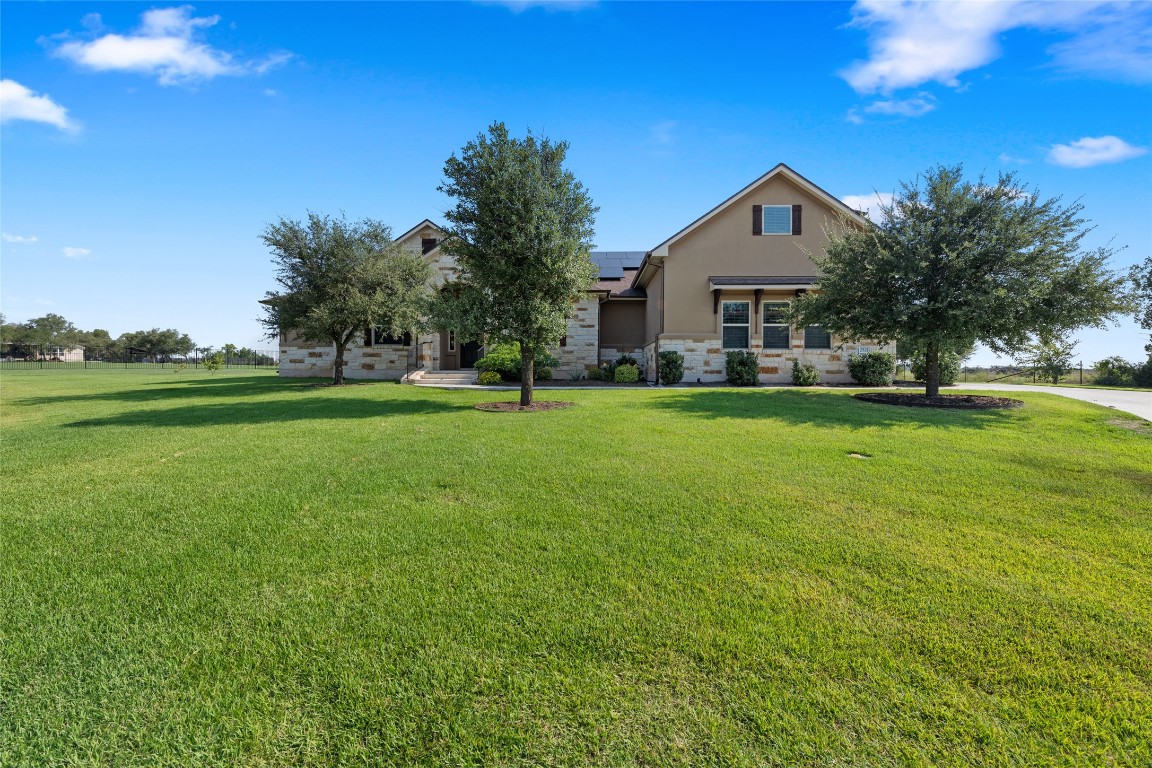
418, 227
780, 170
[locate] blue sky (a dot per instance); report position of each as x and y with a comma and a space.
145, 147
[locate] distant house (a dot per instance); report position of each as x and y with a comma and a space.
721, 283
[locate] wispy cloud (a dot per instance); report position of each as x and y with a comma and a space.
18, 238
913, 42
163, 46
1008, 159
1089, 151
519, 6
76, 253
662, 135
869, 204
18, 102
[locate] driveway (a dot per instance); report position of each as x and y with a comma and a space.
1136, 403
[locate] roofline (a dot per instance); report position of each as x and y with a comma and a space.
418, 226
803, 183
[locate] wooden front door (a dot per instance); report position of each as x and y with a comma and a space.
449, 352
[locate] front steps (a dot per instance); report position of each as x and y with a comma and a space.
442, 378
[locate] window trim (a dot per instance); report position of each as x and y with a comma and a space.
451, 341
747, 326
764, 325
764, 221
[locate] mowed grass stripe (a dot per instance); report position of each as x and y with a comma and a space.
239, 569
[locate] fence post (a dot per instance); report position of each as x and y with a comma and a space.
1081, 371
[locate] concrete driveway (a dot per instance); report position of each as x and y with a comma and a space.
1136, 403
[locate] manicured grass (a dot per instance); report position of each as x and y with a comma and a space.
243, 570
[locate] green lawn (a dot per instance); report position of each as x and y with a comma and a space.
243, 570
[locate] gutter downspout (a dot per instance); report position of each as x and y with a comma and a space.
656, 378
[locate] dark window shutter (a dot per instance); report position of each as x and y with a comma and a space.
796, 219
757, 219
368, 336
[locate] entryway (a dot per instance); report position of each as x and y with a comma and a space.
455, 356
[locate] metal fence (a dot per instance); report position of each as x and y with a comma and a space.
40, 357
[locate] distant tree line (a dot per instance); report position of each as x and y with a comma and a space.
52, 335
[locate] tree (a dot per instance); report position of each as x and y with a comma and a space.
156, 344
1141, 277
520, 233
954, 263
1049, 357
337, 278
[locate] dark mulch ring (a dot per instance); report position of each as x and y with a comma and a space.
968, 402
538, 405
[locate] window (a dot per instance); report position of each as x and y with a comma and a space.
816, 337
380, 335
777, 219
776, 331
427, 244
451, 341
736, 321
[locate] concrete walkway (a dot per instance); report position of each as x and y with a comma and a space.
1136, 403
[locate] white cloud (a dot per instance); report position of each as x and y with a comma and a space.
869, 204
18, 238
519, 6
164, 46
1008, 159
19, 103
913, 42
76, 253
1089, 151
920, 104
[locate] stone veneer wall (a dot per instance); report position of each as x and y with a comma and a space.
704, 359
583, 337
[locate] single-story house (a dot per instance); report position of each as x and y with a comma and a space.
721, 283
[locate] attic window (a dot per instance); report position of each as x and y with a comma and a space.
428, 243
777, 219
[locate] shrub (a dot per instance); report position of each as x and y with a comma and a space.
671, 367
488, 378
627, 360
804, 375
504, 359
949, 366
1143, 375
595, 374
740, 368
1115, 372
627, 374
213, 362
873, 369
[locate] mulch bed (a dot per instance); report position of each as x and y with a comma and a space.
538, 405
965, 402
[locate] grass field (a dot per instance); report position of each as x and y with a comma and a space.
243, 570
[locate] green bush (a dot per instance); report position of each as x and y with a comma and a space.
627, 374
949, 366
671, 367
488, 378
1115, 372
873, 369
1143, 375
596, 374
627, 360
804, 375
740, 368
504, 359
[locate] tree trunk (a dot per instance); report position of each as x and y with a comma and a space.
527, 371
932, 370
338, 365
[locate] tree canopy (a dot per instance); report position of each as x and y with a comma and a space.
1141, 276
520, 232
953, 263
338, 278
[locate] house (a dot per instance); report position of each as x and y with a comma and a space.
721, 283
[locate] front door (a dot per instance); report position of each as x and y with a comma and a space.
469, 354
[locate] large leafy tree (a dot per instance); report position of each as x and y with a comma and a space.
337, 277
520, 233
953, 263
156, 343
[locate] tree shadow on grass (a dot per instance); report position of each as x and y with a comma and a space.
271, 411
820, 409
225, 386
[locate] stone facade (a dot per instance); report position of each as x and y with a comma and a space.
300, 358
705, 358
582, 341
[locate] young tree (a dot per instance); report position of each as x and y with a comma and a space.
1049, 357
520, 232
954, 263
338, 277
1141, 277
